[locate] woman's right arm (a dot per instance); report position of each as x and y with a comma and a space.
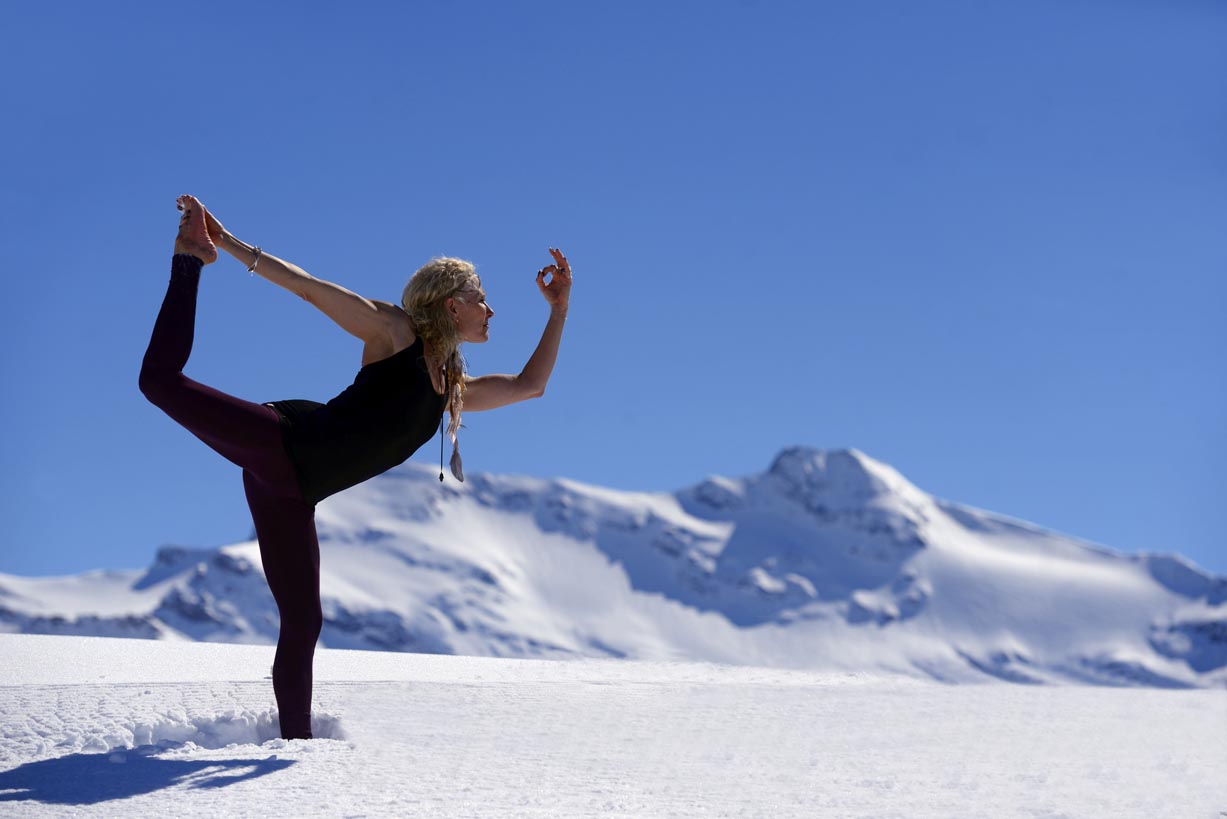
373, 322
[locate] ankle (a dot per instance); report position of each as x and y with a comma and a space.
186, 265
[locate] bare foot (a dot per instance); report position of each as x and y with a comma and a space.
193, 235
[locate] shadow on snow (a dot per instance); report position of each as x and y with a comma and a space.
84, 779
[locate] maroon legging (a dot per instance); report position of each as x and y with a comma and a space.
248, 435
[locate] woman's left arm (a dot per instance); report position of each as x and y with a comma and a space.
497, 390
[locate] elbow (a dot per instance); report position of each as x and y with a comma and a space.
532, 390
301, 287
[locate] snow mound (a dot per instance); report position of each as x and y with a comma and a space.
142, 734
235, 727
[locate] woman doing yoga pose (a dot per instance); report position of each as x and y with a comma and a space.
295, 453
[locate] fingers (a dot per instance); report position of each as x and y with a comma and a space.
212, 225
560, 260
560, 277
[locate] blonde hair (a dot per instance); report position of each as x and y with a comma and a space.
425, 300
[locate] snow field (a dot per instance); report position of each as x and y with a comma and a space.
442, 736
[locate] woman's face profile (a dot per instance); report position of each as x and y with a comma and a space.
471, 314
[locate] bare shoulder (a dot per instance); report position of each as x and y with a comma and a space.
398, 334
400, 328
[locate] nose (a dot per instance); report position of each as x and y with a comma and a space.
489, 311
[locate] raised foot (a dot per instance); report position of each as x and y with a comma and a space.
193, 235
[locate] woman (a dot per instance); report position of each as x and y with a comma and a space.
295, 453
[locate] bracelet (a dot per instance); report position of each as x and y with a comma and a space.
255, 261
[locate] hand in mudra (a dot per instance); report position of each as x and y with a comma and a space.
557, 290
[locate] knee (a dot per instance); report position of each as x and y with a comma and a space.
154, 383
149, 382
303, 625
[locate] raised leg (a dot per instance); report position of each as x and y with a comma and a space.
244, 433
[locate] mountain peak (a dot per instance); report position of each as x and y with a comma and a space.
843, 476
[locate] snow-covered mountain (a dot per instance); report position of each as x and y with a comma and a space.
828, 560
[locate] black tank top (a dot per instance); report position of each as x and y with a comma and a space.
381, 419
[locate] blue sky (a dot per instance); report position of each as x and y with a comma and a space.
981, 242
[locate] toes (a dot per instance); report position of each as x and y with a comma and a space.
188, 203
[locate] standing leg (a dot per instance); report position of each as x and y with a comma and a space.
290, 551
